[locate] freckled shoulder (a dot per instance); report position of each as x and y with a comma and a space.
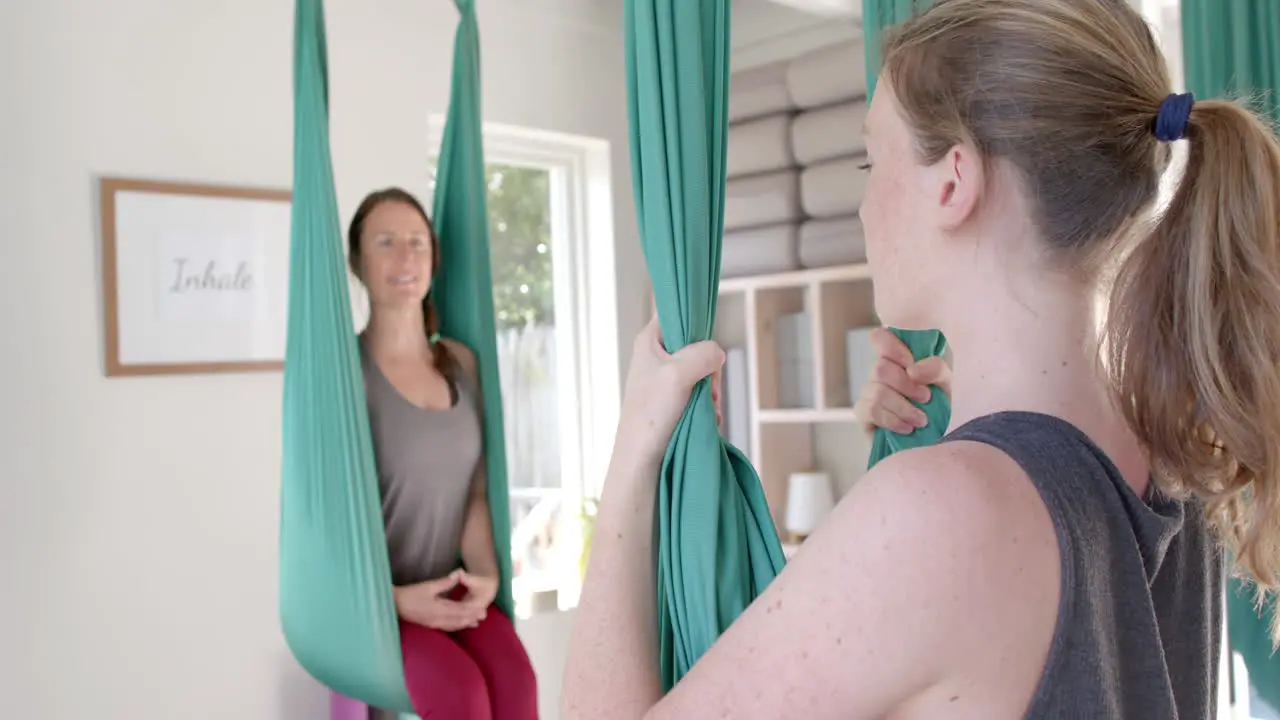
931, 586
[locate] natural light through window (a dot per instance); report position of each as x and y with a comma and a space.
555, 312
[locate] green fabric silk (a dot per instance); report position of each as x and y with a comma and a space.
1232, 49
463, 289
717, 548
336, 607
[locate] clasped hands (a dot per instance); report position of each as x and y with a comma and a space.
434, 603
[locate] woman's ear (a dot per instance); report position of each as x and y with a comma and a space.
960, 179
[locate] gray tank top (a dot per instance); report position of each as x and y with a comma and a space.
426, 461
1140, 615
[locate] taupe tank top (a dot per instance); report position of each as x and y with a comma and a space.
426, 462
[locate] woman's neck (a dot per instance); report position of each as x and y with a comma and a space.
1024, 337
1038, 356
1037, 351
398, 333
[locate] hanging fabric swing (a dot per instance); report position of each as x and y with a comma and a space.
717, 548
717, 545
336, 607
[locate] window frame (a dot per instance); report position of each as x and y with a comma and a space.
584, 278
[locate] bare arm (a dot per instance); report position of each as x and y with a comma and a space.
613, 653
479, 555
885, 602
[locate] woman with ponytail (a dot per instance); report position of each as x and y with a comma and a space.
462, 658
1060, 553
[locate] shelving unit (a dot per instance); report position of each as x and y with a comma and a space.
825, 436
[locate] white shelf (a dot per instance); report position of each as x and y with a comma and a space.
784, 440
796, 278
806, 415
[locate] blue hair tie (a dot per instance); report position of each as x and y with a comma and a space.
1173, 117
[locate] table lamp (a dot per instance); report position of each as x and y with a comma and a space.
809, 499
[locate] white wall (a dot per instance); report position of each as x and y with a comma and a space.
138, 516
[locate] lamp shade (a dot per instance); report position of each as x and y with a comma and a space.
809, 499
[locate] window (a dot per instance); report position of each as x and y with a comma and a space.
1165, 18
551, 245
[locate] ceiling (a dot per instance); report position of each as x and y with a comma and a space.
768, 30
763, 31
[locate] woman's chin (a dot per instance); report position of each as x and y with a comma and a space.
400, 298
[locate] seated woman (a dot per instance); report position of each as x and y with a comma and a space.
1059, 554
462, 657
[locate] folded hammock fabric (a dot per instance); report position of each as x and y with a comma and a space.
336, 606
717, 548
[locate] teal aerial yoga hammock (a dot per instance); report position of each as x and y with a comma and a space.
717, 547
464, 289
877, 16
336, 606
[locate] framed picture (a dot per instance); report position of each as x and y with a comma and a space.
194, 277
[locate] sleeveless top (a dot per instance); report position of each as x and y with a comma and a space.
427, 460
1140, 614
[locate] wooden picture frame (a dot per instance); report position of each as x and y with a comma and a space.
194, 277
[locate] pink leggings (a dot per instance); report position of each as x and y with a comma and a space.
482, 673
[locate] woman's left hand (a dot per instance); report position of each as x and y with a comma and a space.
481, 589
657, 391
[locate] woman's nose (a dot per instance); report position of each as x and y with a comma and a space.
403, 253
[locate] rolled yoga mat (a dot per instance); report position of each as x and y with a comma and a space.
833, 189
829, 133
760, 146
758, 92
828, 75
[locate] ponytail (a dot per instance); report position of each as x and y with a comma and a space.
445, 362
1193, 334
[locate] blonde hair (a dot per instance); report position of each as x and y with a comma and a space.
1068, 92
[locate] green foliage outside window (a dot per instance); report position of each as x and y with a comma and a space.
520, 245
